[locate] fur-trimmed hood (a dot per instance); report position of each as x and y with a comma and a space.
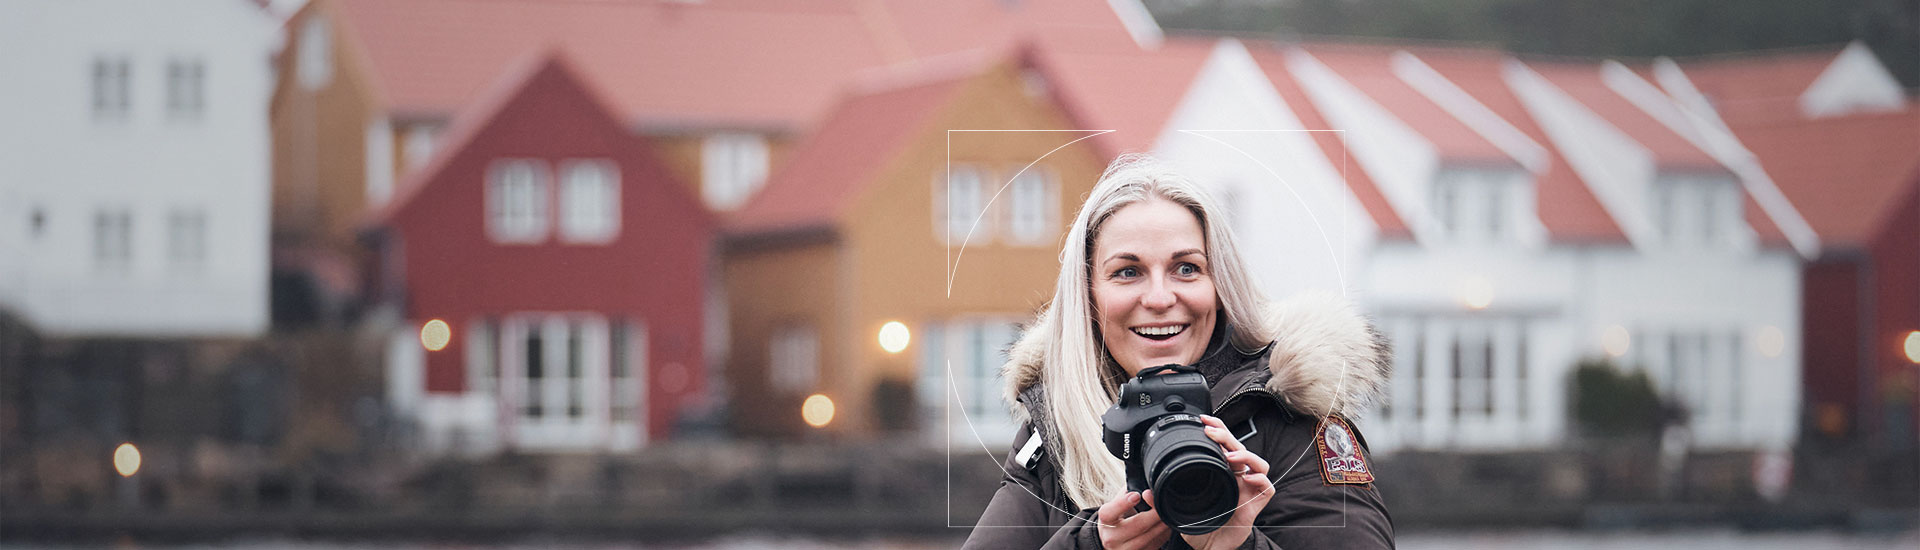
1325, 358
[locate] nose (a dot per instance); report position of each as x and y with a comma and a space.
1159, 295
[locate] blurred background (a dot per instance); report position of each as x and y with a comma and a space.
741, 273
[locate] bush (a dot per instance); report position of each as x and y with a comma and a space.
1611, 403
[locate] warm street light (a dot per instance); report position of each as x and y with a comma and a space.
1616, 341
817, 410
1476, 293
126, 460
1771, 341
1913, 346
894, 336
435, 335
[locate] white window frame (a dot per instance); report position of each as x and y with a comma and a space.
113, 239
732, 166
1479, 206
313, 64
960, 210
517, 208
379, 158
627, 384
1033, 207
589, 207
112, 87
187, 238
186, 88
793, 358
571, 411
418, 142
1696, 211
969, 398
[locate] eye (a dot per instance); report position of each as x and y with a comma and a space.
1186, 270
1127, 273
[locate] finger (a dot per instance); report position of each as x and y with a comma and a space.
1148, 496
1224, 438
1115, 510
1252, 463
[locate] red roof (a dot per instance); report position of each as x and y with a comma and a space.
841, 156
1121, 87
738, 63
1566, 205
1844, 174
1370, 69
1758, 86
1582, 81
1272, 60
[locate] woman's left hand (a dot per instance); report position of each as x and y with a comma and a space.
1255, 491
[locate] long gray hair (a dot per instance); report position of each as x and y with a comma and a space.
1081, 378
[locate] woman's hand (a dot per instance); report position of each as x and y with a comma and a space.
1255, 491
1123, 528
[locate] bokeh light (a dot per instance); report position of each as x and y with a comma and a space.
817, 411
435, 335
1771, 341
126, 460
1616, 341
894, 336
1913, 346
1476, 293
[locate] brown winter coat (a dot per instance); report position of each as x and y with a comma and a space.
1324, 359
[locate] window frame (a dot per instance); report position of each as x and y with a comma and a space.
501, 211
606, 227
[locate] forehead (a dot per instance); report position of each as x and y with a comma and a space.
1149, 226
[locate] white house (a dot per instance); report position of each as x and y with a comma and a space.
136, 150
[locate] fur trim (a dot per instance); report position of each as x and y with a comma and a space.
1325, 357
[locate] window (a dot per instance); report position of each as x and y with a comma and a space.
113, 239
112, 99
379, 157
1472, 372
419, 145
483, 337
627, 344
732, 167
186, 88
794, 361
1034, 203
589, 201
187, 237
1697, 210
314, 66
1480, 205
517, 202
974, 349
963, 210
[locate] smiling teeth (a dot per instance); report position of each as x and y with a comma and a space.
1160, 331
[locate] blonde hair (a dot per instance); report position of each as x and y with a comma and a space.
1081, 379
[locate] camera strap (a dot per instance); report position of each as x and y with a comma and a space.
1029, 454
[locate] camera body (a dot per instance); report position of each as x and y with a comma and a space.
1155, 429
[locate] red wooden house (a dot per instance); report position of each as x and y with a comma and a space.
567, 264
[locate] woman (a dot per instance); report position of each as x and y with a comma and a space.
1150, 276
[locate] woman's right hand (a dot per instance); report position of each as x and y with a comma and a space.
1121, 528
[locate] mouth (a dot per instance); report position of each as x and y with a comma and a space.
1161, 332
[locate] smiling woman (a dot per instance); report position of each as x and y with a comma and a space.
1150, 276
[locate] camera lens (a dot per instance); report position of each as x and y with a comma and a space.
1191, 485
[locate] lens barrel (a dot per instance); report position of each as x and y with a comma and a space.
1192, 487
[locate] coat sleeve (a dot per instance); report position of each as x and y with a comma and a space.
1307, 512
1019, 516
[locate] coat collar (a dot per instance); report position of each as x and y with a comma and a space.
1325, 358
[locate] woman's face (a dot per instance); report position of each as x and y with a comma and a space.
1152, 285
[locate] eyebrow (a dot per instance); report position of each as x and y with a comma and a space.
1129, 256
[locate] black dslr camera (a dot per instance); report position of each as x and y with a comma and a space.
1155, 428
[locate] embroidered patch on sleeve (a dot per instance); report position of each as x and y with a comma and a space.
1341, 462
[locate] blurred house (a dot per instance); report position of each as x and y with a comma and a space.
136, 201
565, 264
1472, 227
1839, 138
933, 196
724, 88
